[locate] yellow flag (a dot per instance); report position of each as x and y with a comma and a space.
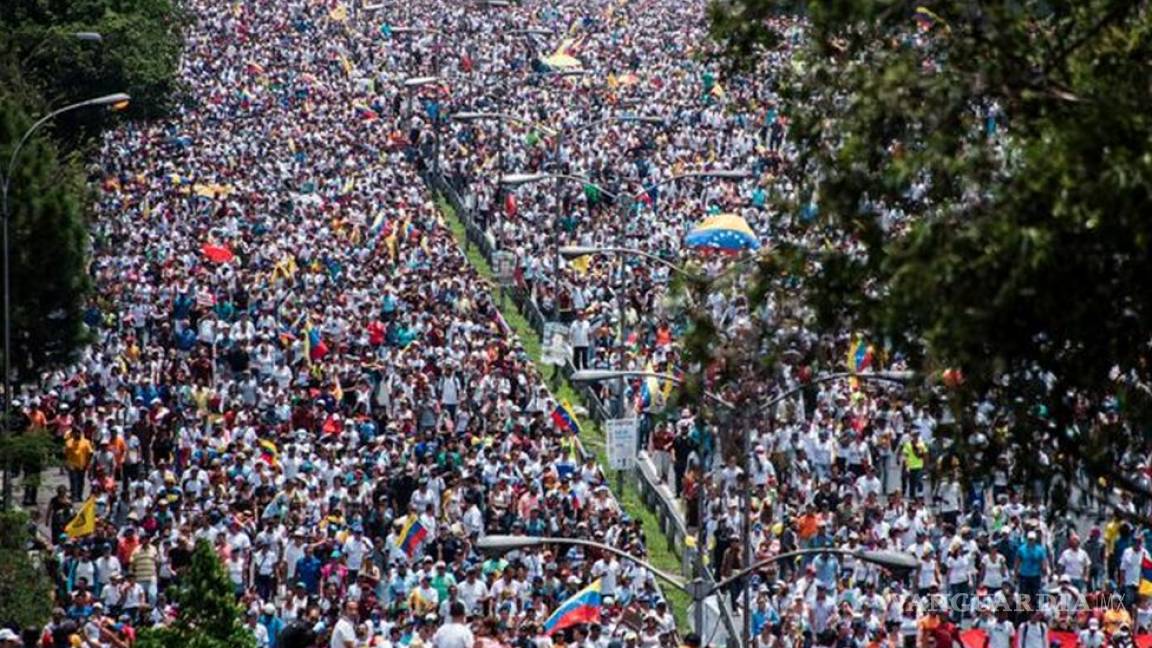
580, 264
85, 521
346, 64
339, 14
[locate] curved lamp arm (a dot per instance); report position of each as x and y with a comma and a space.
894, 560
573, 251
597, 375
478, 116
528, 178
98, 101
501, 544
639, 119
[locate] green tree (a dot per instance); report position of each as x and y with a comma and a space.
983, 182
139, 54
209, 616
25, 592
48, 242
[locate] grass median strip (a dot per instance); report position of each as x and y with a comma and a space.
591, 436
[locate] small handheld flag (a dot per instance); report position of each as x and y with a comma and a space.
85, 521
582, 607
411, 536
269, 453
564, 419
859, 355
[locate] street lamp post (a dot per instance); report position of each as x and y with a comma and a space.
528, 178
5, 430
86, 36
558, 145
413, 83
894, 560
701, 534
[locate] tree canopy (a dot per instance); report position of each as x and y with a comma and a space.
139, 52
43, 65
208, 615
25, 593
48, 245
981, 174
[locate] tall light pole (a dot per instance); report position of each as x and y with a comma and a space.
597, 375
413, 83
529, 178
106, 100
898, 561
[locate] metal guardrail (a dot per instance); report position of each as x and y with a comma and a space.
672, 523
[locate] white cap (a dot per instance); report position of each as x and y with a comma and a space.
8, 635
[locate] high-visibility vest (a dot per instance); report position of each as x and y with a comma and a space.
913, 457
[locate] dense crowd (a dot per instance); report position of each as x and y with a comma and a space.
294, 362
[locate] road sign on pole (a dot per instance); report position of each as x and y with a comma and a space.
621, 435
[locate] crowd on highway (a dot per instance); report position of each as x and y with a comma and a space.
294, 362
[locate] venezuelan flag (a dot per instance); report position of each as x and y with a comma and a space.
269, 453
582, 607
411, 536
366, 113
1146, 576
564, 419
859, 355
314, 344
726, 233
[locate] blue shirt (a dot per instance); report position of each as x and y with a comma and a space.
1031, 558
308, 572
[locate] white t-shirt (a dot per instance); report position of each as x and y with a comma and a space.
453, 635
343, 634
994, 571
1000, 634
1034, 635
1130, 563
1074, 562
355, 549
959, 567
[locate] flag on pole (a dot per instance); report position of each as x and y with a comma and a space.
581, 263
564, 419
860, 355
269, 453
84, 523
582, 607
411, 536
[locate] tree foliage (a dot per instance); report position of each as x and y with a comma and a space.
208, 614
139, 53
25, 592
982, 176
48, 240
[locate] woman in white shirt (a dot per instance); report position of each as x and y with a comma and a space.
994, 570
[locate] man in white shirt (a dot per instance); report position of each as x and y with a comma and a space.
356, 547
998, 629
344, 632
456, 633
1075, 563
1131, 562
1034, 632
1092, 637
473, 591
